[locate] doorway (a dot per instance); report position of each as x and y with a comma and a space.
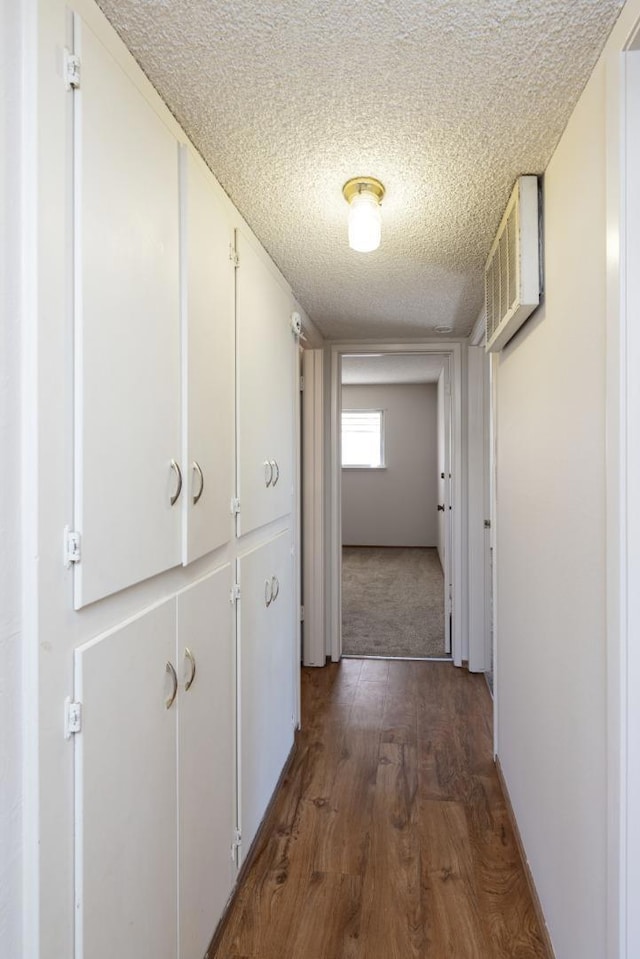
395, 504
445, 355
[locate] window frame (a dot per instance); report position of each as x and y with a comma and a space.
383, 461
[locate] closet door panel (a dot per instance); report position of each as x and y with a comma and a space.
206, 758
267, 658
127, 329
208, 362
126, 796
265, 365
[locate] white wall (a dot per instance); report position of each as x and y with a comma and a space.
551, 666
395, 506
11, 817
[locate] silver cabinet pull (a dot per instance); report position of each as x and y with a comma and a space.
275, 588
268, 592
174, 679
268, 473
274, 466
176, 469
196, 467
189, 655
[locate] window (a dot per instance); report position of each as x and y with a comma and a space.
362, 439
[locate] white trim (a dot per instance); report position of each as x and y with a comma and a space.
476, 472
313, 646
454, 350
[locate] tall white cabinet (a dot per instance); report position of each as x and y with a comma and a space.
127, 330
208, 357
266, 351
184, 488
265, 658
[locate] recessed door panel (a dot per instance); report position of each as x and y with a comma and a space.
127, 329
126, 798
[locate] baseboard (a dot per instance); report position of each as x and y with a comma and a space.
537, 905
251, 856
383, 546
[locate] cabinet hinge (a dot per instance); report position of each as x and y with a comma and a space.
72, 718
71, 547
235, 593
235, 506
235, 846
302, 614
302, 384
233, 256
71, 70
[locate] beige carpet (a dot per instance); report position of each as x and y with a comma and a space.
392, 602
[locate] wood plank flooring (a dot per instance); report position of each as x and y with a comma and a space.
389, 838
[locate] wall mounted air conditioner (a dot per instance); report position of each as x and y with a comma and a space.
512, 274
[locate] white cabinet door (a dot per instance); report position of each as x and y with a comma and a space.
206, 759
208, 338
127, 329
266, 668
266, 374
126, 802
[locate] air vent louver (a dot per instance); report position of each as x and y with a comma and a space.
512, 273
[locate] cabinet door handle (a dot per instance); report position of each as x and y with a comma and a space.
274, 466
268, 473
189, 655
198, 470
169, 701
275, 588
268, 592
176, 469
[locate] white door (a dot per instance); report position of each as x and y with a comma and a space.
266, 669
127, 330
207, 277
125, 791
206, 759
266, 370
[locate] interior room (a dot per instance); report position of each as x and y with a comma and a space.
393, 553
217, 220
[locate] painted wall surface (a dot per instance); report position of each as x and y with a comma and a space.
551, 667
395, 506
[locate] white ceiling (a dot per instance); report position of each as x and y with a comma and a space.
446, 103
396, 368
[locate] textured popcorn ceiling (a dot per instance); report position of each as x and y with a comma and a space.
446, 102
395, 368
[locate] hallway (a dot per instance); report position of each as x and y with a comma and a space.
389, 838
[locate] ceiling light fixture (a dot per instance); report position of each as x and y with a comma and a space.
364, 195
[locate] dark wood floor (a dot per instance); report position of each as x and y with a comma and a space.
389, 838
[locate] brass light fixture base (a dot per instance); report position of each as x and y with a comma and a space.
363, 184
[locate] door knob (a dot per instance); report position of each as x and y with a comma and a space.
441, 508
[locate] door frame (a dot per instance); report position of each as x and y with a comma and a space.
333, 477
